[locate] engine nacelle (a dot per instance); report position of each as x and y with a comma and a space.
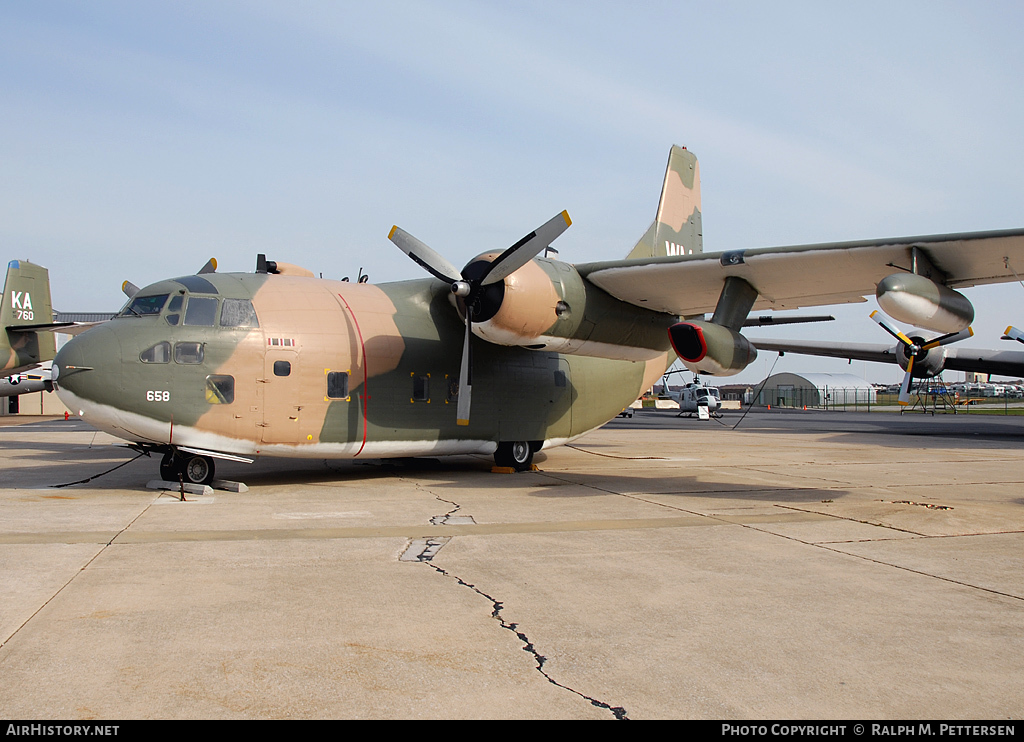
547, 306
921, 302
927, 363
708, 348
519, 310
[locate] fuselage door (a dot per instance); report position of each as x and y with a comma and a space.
282, 397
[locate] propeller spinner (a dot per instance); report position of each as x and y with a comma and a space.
471, 285
913, 350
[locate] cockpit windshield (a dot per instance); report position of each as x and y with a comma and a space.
142, 306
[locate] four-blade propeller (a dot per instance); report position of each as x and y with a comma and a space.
912, 349
470, 286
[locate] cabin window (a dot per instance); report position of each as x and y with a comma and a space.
337, 384
421, 388
159, 353
238, 313
174, 309
282, 368
220, 389
188, 353
141, 306
560, 379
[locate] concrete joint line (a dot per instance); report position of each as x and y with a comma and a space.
835, 550
71, 579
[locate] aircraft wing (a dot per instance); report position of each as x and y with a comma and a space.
1002, 362
805, 275
74, 328
64, 328
980, 360
876, 352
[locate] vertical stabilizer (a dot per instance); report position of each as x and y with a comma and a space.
24, 304
676, 229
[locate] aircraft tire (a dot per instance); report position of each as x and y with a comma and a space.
197, 469
192, 468
516, 455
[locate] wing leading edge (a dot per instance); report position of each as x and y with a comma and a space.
981, 360
805, 275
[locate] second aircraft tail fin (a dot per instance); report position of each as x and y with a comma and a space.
25, 303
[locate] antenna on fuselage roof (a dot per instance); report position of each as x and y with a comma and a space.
550, 251
362, 278
265, 266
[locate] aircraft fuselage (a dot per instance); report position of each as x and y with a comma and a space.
282, 365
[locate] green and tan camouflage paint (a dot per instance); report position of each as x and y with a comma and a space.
548, 306
383, 336
676, 229
557, 357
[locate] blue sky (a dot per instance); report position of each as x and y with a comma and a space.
139, 139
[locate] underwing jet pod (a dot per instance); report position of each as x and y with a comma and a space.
511, 353
922, 299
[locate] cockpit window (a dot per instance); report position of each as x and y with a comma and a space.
141, 306
173, 315
197, 285
200, 312
238, 313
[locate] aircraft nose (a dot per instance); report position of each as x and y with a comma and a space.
89, 367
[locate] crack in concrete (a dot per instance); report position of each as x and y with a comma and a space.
429, 549
450, 518
496, 608
423, 549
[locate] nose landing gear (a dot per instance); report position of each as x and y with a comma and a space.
191, 467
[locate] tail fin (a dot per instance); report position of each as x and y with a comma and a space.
25, 304
676, 229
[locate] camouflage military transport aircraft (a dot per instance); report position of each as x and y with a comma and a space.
511, 354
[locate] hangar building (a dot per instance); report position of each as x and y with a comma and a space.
815, 390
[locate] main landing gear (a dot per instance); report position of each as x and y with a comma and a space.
516, 455
191, 467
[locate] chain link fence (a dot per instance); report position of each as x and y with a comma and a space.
826, 398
